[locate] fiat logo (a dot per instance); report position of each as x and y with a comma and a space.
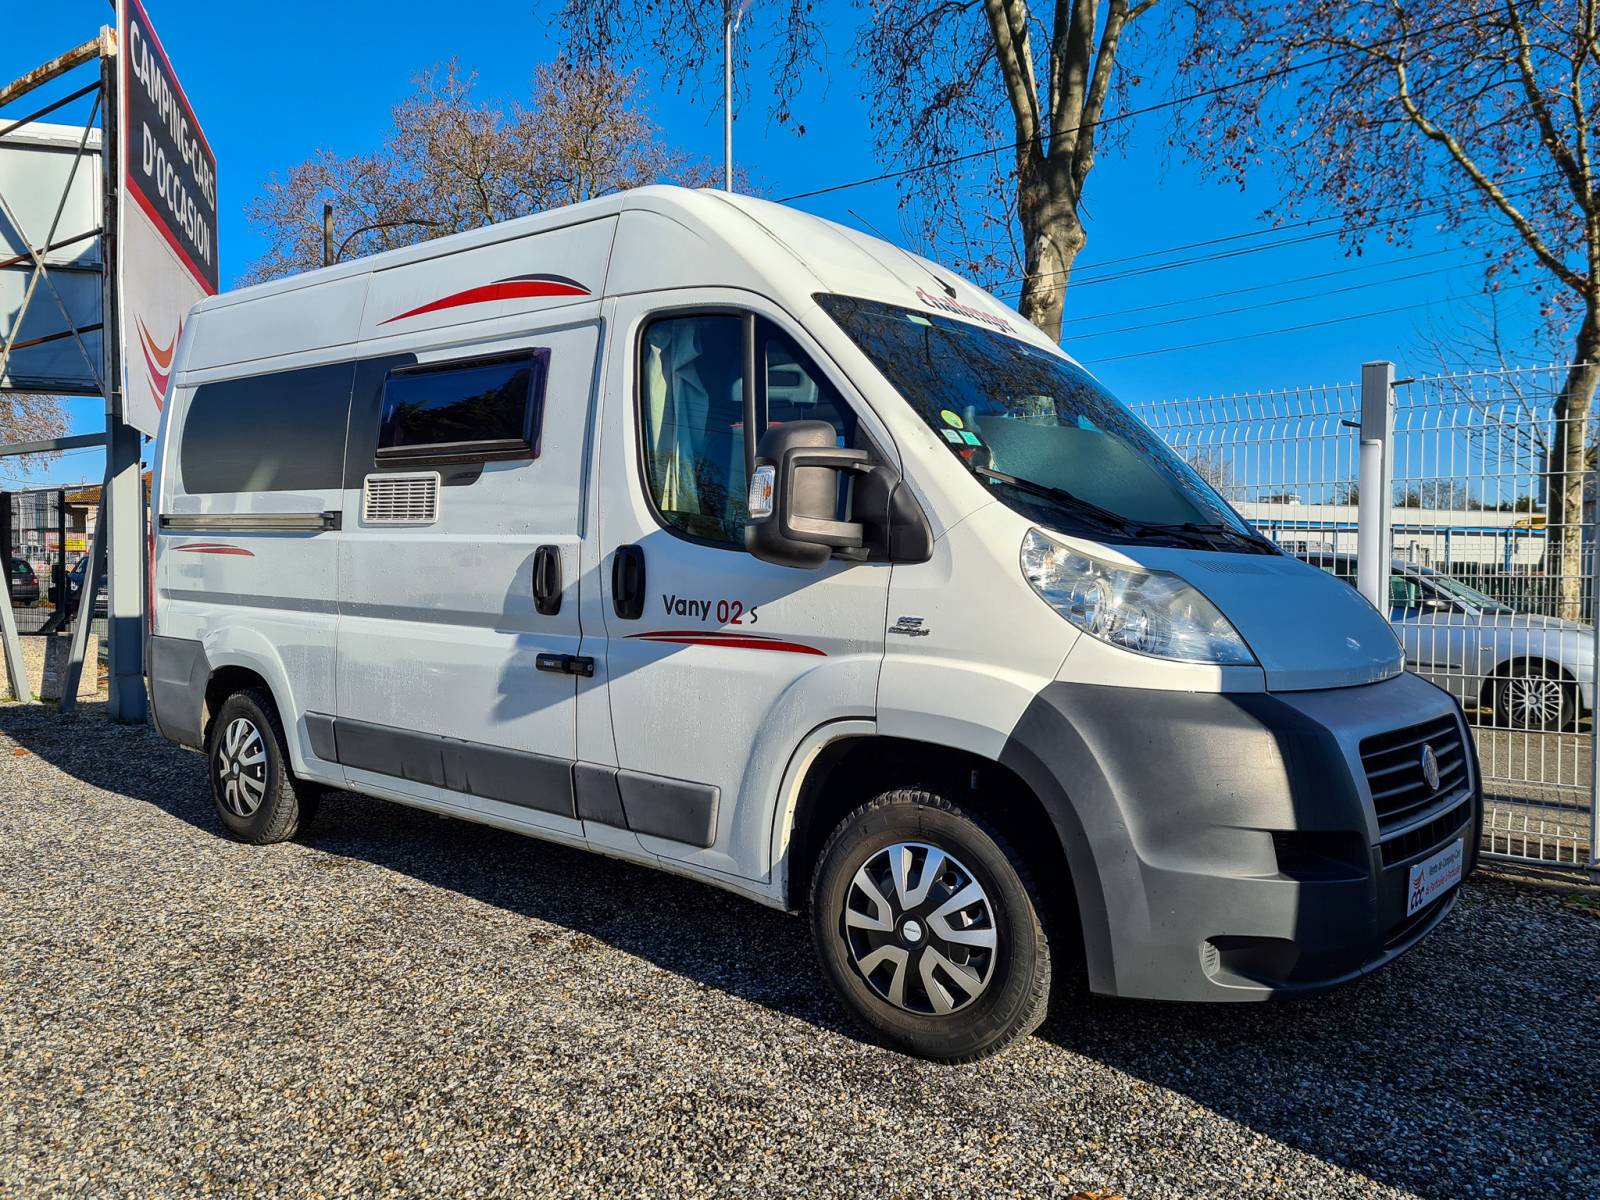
1430, 768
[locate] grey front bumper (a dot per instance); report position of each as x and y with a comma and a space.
1225, 846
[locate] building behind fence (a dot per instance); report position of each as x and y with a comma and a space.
1470, 502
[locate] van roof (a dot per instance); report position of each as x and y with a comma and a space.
837, 258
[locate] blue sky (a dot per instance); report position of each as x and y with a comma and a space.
273, 82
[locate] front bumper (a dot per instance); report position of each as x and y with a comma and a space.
1226, 846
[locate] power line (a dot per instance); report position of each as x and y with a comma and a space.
1259, 287
1174, 102
1244, 337
1310, 221
1240, 252
1243, 308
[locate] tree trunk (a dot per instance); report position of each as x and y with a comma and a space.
1569, 467
1052, 236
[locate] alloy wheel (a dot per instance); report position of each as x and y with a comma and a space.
1535, 702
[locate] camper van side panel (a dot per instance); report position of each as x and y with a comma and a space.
246, 541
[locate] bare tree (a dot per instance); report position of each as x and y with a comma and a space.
1211, 465
1030, 81
451, 162
1478, 114
26, 417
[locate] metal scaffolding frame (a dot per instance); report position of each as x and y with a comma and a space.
119, 532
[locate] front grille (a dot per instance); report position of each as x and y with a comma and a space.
1424, 837
1393, 763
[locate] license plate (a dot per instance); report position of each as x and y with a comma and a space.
1434, 876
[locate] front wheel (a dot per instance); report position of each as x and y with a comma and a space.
929, 929
1538, 696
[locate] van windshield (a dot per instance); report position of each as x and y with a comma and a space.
1040, 432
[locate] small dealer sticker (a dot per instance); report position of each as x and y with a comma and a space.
1434, 876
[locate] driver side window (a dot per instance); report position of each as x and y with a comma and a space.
692, 414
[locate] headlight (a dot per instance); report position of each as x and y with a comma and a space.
1152, 612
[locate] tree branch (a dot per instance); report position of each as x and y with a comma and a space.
1487, 186
1008, 23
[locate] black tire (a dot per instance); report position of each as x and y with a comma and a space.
1014, 994
1538, 696
265, 803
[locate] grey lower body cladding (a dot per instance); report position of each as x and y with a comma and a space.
1226, 847
676, 809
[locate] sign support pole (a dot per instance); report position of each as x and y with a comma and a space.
16, 671
124, 514
83, 618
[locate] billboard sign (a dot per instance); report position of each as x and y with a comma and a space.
167, 244
53, 204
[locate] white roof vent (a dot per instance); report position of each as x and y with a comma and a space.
400, 499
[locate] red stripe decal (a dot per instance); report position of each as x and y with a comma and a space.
741, 641
526, 287
214, 548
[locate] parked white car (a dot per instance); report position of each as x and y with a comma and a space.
1528, 671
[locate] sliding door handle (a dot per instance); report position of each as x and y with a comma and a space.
547, 580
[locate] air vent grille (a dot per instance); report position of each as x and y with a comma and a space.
400, 499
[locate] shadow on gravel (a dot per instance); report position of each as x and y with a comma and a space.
1461, 1069
694, 930
1465, 1065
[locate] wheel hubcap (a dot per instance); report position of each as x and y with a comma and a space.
920, 929
241, 765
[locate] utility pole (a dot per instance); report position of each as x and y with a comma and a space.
732, 13
727, 95
327, 234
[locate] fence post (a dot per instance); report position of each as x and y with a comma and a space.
1594, 718
1375, 509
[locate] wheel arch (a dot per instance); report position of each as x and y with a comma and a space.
858, 764
240, 660
228, 680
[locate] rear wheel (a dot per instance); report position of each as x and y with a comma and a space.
257, 796
1537, 696
928, 927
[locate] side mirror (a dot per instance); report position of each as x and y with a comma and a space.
794, 496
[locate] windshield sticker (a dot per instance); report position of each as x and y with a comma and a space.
970, 438
950, 435
952, 419
945, 304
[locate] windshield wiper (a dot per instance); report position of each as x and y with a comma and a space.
1205, 533
1078, 504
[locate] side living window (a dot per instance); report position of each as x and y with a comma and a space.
477, 409
279, 432
692, 414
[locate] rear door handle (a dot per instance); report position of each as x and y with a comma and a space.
547, 580
566, 664
627, 582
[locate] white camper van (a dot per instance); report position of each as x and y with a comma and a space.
713, 536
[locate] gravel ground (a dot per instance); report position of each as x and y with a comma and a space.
406, 1005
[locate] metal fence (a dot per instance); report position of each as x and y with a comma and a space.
43, 535
1492, 559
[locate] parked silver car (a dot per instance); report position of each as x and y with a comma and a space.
1530, 672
